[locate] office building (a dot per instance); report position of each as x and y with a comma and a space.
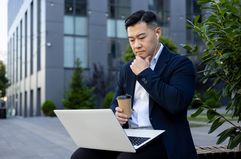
45, 37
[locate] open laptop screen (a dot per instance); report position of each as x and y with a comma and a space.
99, 129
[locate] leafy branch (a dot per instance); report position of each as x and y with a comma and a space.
221, 34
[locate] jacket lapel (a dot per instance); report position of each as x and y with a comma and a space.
162, 61
159, 68
131, 82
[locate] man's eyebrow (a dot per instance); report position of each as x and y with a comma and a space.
141, 34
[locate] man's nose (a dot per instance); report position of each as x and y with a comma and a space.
137, 44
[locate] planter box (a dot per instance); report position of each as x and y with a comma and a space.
217, 152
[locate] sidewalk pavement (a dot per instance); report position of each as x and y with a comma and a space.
45, 138
34, 138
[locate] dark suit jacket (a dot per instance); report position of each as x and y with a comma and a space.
171, 88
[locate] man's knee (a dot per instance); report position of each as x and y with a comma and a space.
76, 154
82, 153
126, 156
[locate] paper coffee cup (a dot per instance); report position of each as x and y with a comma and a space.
124, 102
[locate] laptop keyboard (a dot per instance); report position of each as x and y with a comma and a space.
136, 141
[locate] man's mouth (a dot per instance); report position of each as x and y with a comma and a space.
139, 53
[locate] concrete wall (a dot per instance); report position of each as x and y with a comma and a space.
54, 73
97, 24
178, 23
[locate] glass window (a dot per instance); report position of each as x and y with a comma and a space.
20, 104
80, 25
21, 46
121, 31
122, 12
111, 12
38, 35
81, 50
76, 31
111, 28
68, 24
80, 7
12, 57
117, 12
122, 2
17, 53
25, 44
25, 103
31, 103
75, 20
38, 111
69, 7
68, 51
116, 47
31, 36
75, 47
118, 9
162, 8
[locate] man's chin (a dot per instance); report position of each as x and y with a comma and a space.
141, 56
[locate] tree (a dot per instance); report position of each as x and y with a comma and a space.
102, 81
79, 95
221, 34
3, 80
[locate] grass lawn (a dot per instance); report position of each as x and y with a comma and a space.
193, 125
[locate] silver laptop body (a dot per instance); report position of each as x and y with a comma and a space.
99, 129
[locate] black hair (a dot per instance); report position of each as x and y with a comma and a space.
141, 16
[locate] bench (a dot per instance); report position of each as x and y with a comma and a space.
217, 152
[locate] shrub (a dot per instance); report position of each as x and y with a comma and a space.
4, 82
48, 108
108, 99
210, 97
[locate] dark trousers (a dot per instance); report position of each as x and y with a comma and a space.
153, 150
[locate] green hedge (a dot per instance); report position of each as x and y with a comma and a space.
48, 108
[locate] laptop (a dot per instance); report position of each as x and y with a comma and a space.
99, 129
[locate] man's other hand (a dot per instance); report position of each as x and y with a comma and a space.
121, 117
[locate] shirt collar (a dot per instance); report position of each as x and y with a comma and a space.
154, 60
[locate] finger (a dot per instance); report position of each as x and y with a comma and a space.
118, 109
132, 67
148, 59
122, 120
133, 62
121, 117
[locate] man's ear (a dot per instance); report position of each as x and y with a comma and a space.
157, 36
158, 33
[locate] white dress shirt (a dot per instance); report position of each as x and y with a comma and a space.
140, 114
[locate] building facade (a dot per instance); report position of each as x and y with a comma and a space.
45, 37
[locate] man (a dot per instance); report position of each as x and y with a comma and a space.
162, 86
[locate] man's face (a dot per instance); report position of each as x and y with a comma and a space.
143, 39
